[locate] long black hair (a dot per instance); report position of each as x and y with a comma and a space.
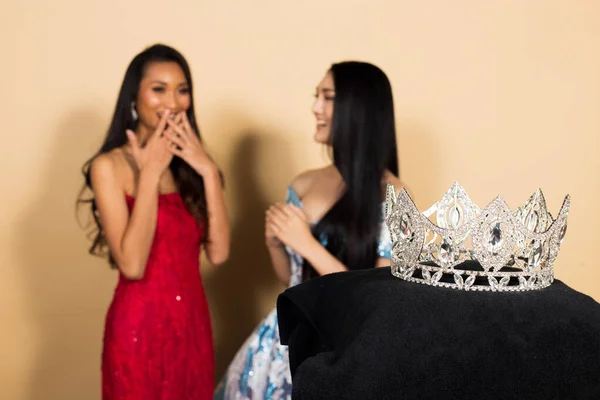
189, 184
363, 146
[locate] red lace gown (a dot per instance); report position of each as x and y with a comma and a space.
158, 338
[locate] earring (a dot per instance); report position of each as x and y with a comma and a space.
134, 113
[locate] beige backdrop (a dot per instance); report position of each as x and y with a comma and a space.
503, 96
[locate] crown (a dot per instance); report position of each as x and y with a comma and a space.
494, 249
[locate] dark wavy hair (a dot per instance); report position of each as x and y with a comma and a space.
189, 184
363, 146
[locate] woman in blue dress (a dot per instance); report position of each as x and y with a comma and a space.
332, 220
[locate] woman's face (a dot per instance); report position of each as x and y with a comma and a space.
163, 87
323, 108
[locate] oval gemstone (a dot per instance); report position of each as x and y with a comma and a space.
495, 240
532, 220
447, 253
406, 229
454, 217
535, 256
563, 232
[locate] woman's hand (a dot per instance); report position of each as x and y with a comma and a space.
271, 239
187, 145
156, 155
289, 224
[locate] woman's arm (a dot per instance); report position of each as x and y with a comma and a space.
281, 263
218, 239
129, 237
189, 148
321, 260
280, 259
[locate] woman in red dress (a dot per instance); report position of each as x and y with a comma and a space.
157, 198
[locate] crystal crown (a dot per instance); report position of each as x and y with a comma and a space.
510, 250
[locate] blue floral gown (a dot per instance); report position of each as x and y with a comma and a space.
260, 369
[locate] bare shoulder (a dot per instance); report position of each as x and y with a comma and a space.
105, 167
302, 183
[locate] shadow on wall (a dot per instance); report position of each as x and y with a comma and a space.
68, 290
240, 291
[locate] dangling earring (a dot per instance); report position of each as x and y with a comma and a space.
134, 113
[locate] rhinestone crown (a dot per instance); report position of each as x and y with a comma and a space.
512, 250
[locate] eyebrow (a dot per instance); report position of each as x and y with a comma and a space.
164, 83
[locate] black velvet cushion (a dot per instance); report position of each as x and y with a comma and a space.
368, 335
